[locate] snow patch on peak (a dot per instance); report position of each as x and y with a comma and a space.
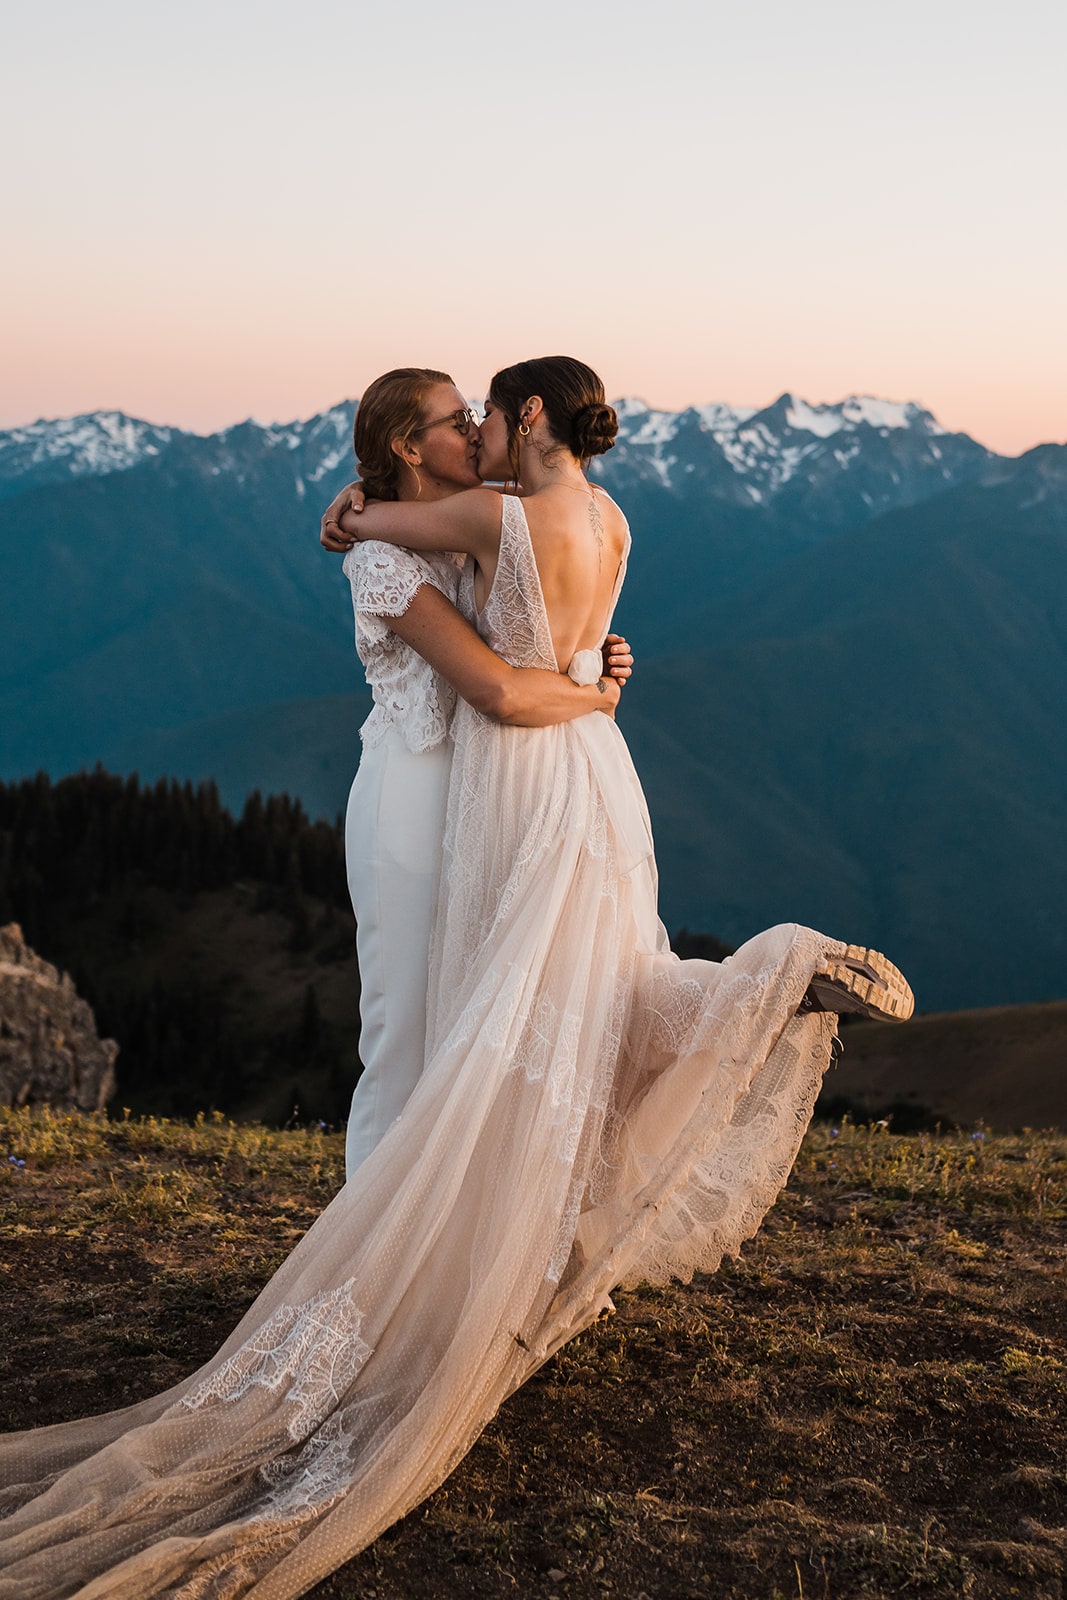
628, 408
721, 418
658, 427
820, 420
331, 461
855, 411
887, 413
641, 423
280, 434
338, 417
766, 447
291, 433
89, 445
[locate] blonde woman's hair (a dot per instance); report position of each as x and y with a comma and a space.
390, 411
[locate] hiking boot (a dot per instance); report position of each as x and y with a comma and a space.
863, 983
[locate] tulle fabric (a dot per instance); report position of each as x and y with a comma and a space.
593, 1112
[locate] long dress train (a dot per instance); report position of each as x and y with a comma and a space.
593, 1112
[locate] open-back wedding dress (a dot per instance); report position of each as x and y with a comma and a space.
594, 1112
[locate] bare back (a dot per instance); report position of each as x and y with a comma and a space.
578, 541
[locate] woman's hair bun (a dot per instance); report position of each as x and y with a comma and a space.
593, 430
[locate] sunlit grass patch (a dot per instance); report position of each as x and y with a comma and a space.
157, 1198
46, 1137
1022, 1173
1032, 1364
45, 1140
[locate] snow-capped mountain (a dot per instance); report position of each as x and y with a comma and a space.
827, 463
312, 451
103, 442
88, 446
822, 465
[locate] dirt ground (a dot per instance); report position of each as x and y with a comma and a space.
871, 1402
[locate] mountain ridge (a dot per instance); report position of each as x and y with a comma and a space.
845, 712
95, 443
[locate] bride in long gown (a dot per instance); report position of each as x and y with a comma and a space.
593, 1112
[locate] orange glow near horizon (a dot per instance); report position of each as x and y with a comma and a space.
211, 373
203, 343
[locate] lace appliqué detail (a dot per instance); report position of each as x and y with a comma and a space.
408, 694
514, 620
312, 1350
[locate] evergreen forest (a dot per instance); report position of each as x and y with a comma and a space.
217, 950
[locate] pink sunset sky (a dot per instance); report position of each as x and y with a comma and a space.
227, 209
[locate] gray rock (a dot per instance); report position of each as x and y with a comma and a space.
50, 1052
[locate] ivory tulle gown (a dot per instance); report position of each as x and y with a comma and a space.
594, 1111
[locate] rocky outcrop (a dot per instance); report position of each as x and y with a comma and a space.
49, 1049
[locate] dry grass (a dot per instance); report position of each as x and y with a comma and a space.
871, 1402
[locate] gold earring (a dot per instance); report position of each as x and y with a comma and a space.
524, 428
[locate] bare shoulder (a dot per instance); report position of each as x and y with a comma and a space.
614, 522
605, 502
560, 520
486, 500
486, 505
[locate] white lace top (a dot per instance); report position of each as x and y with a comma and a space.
408, 694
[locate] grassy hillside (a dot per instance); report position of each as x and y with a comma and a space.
1005, 1067
872, 1402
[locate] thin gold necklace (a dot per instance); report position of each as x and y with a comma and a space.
585, 487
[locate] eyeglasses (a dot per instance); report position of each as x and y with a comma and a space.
463, 421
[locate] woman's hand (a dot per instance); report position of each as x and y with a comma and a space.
610, 694
618, 661
332, 536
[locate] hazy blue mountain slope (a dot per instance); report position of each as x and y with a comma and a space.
307, 747
153, 598
910, 697
844, 714
984, 533
198, 658
724, 842
84, 561
691, 558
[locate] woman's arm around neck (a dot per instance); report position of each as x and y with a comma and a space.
469, 521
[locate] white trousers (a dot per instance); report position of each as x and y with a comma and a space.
394, 829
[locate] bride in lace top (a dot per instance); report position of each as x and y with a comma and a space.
593, 1112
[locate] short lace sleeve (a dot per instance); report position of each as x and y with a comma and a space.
408, 695
384, 580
